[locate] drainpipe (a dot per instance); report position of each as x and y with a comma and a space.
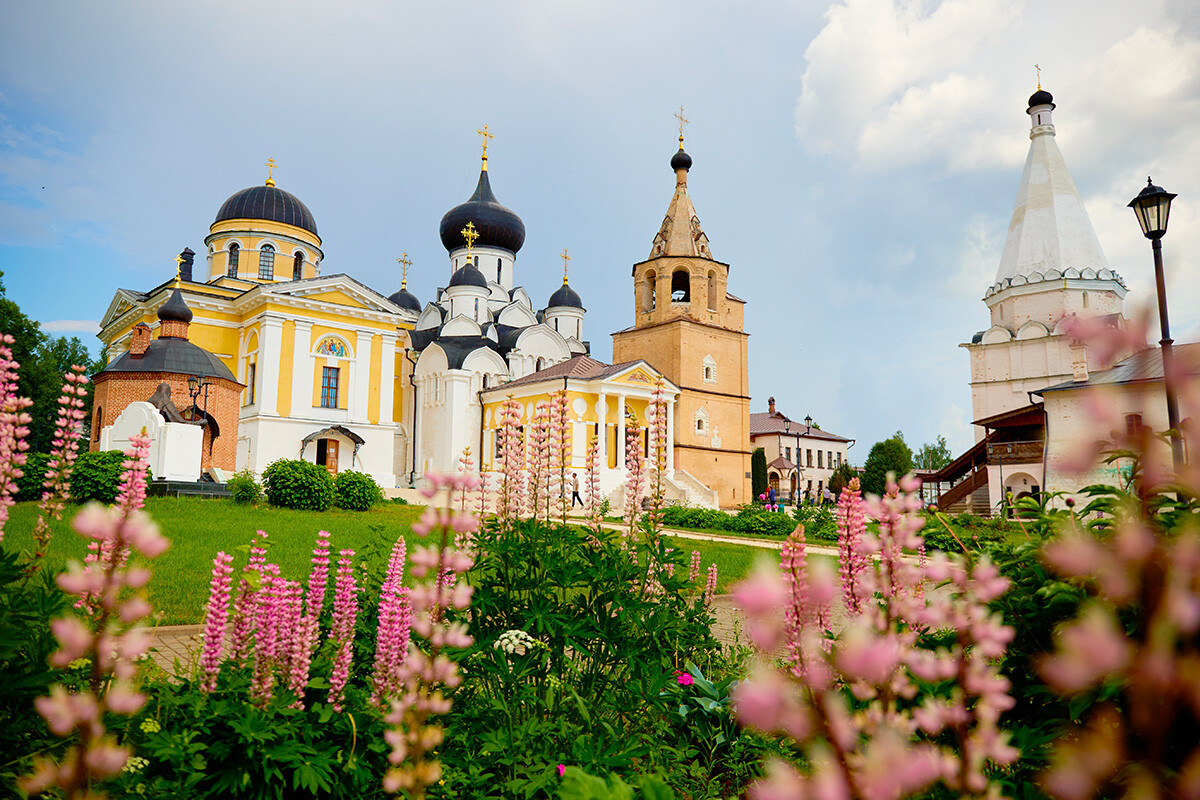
1045, 437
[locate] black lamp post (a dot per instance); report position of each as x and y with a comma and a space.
196, 385
808, 424
1152, 206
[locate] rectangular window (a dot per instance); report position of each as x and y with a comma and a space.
1133, 424
329, 387
829, 459
810, 458
787, 453
251, 382
820, 465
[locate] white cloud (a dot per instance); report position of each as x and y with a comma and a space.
955, 425
71, 326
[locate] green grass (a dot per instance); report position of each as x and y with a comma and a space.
198, 529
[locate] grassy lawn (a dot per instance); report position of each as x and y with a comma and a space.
199, 528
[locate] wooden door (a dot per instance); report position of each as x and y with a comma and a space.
331, 456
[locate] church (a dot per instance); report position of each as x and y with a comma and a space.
320, 367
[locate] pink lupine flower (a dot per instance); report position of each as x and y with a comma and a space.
268, 601
345, 612
68, 427
14, 428
110, 639
245, 602
215, 617
512, 488
424, 669
635, 477
592, 486
710, 586
694, 567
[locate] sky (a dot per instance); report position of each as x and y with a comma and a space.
855, 162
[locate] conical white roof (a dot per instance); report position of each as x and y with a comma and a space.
1050, 229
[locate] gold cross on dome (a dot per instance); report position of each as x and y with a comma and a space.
178, 266
682, 121
270, 165
483, 132
1039, 74
405, 262
566, 257
470, 235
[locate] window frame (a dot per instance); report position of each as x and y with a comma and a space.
263, 250
330, 386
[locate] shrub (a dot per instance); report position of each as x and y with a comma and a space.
356, 491
245, 489
97, 476
298, 484
29, 485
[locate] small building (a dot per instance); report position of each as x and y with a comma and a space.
184, 381
800, 457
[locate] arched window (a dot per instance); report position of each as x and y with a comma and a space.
710, 369
681, 287
648, 291
712, 290
98, 423
499, 266
266, 263
231, 270
540, 365
298, 266
1085, 300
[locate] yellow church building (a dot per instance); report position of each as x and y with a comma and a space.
341, 375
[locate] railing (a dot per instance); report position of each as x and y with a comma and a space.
963, 488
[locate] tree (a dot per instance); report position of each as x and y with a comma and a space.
933, 455
43, 361
758, 472
890, 455
841, 477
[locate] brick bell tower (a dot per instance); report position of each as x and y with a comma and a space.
688, 325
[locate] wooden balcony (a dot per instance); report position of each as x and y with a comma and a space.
1027, 452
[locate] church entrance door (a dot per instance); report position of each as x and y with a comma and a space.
327, 454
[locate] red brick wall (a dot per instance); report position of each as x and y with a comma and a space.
115, 391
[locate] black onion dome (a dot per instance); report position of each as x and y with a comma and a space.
468, 275
681, 160
406, 300
269, 203
565, 296
175, 309
1041, 98
497, 225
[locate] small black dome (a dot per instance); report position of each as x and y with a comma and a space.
565, 296
175, 309
497, 225
1041, 98
406, 300
269, 203
468, 275
681, 160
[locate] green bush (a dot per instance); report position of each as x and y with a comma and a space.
244, 488
97, 476
298, 484
29, 485
356, 491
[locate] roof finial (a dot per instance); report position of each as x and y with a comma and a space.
270, 165
178, 268
405, 262
1039, 76
470, 235
682, 122
483, 132
566, 257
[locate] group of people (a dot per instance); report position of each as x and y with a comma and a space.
770, 498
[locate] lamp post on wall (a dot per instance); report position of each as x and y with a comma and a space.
196, 385
1152, 206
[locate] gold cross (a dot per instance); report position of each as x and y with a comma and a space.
178, 266
1039, 74
405, 262
470, 235
270, 165
483, 132
566, 257
682, 122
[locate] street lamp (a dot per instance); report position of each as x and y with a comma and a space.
196, 385
1152, 206
808, 425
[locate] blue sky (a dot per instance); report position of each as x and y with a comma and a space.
855, 162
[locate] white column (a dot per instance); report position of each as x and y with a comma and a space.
620, 431
671, 438
360, 386
602, 431
387, 379
302, 370
269, 350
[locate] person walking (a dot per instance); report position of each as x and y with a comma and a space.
575, 498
